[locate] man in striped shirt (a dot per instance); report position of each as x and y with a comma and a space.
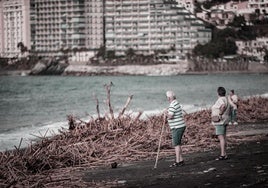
177, 126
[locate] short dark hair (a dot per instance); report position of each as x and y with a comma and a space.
221, 91
232, 91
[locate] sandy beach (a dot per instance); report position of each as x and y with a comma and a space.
247, 166
82, 156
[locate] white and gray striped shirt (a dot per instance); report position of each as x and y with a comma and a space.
175, 110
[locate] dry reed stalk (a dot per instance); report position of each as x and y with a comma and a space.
125, 107
97, 106
108, 91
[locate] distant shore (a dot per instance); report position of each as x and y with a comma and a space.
146, 70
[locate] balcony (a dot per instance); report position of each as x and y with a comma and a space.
78, 36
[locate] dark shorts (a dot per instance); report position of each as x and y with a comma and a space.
177, 135
220, 129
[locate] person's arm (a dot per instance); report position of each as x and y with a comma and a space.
231, 101
222, 109
222, 106
170, 115
234, 99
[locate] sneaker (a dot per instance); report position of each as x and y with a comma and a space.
221, 158
181, 163
176, 164
235, 123
230, 123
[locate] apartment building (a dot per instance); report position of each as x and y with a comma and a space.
244, 8
59, 25
152, 27
253, 48
66, 25
188, 4
14, 26
94, 15
261, 5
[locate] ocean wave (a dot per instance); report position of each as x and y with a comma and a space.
29, 134
265, 95
11, 138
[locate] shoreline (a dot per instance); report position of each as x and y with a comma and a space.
82, 156
180, 68
27, 72
185, 67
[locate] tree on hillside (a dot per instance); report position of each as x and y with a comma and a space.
224, 34
101, 52
238, 21
222, 44
110, 54
266, 56
246, 33
130, 52
22, 48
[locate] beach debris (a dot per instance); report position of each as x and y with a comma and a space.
50, 162
210, 169
122, 181
114, 165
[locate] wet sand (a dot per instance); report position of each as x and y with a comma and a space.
247, 166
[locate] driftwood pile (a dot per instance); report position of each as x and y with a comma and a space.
105, 140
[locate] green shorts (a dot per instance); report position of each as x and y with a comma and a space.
177, 135
220, 129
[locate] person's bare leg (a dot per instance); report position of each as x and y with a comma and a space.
222, 144
178, 152
225, 144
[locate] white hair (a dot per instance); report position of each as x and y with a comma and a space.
170, 94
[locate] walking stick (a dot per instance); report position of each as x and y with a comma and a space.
159, 144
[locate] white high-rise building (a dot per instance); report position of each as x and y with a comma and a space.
152, 26
14, 26
94, 14
67, 25
187, 4
58, 26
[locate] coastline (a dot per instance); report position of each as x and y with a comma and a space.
181, 68
71, 157
115, 73
14, 72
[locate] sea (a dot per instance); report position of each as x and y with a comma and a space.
37, 106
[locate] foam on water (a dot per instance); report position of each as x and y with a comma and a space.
264, 95
29, 135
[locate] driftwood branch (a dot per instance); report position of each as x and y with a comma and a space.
97, 106
125, 107
108, 101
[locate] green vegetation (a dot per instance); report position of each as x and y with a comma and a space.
22, 48
266, 56
222, 44
223, 41
209, 4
